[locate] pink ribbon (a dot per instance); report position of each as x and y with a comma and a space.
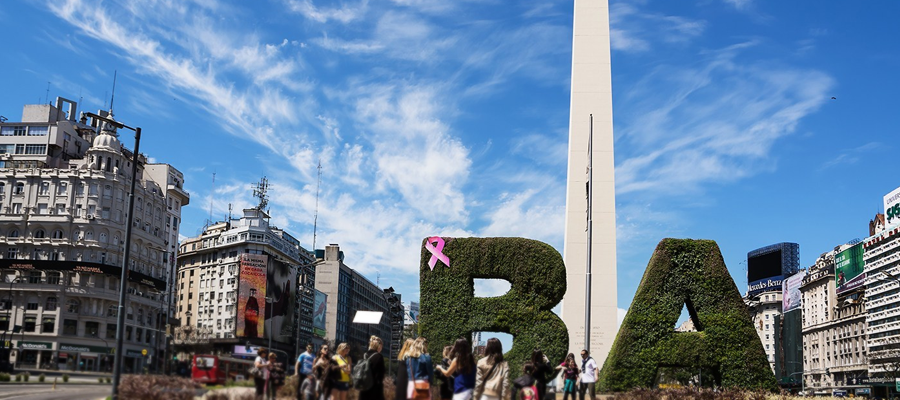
436, 252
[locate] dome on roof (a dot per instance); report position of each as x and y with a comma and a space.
106, 141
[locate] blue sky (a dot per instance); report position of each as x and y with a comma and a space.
437, 117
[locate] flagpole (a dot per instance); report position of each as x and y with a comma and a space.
587, 289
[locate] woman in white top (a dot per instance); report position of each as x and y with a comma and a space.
261, 363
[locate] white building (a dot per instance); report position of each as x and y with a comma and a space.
764, 307
63, 203
882, 257
209, 275
411, 313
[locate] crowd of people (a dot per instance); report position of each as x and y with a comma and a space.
327, 376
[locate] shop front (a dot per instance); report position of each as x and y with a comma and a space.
34, 354
134, 362
79, 357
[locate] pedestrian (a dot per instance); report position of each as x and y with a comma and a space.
261, 363
376, 366
492, 373
570, 376
461, 369
446, 390
402, 381
308, 387
420, 369
525, 386
303, 368
276, 376
324, 370
589, 375
543, 372
342, 383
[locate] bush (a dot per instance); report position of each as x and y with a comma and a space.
690, 274
4, 377
157, 387
41, 377
65, 378
18, 377
537, 275
101, 379
26, 377
108, 380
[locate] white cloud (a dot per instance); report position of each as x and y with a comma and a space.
631, 30
345, 14
715, 122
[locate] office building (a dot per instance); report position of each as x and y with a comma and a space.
239, 283
882, 269
766, 268
64, 185
347, 292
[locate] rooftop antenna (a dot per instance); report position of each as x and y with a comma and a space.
47, 95
209, 221
112, 97
316, 215
261, 192
229, 213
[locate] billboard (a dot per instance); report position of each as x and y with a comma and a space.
764, 285
848, 268
892, 207
281, 288
763, 266
251, 315
319, 314
790, 296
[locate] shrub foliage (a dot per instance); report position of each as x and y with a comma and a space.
537, 276
691, 273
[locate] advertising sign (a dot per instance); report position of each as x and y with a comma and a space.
790, 296
319, 314
251, 296
81, 266
892, 207
848, 268
764, 285
281, 288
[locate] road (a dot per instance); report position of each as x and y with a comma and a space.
46, 392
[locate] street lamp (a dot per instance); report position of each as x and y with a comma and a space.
123, 280
269, 303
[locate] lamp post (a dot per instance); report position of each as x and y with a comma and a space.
269, 301
123, 280
11, 327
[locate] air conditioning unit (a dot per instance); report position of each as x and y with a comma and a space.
90, 216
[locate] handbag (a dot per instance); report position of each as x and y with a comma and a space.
421, 388
255, 372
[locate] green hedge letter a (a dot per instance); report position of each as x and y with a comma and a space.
450, 310
726, 347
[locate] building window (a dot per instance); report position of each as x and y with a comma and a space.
16, 208
72, 306
91, 329
14, 233
12, 253
34, 277
38, 130
30, 324
50, 304
128, 333
70, 327
58, 234
20, 188
62, 188
49, 324
39, 234
31, 306
53, 277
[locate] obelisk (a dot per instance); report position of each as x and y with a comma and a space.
591, 100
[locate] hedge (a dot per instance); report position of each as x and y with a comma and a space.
691, 273
537, 276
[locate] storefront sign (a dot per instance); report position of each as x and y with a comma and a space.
764, 285
35, 346
81, 266
80, 348
133, 353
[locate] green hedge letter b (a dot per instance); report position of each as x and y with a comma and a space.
450, 310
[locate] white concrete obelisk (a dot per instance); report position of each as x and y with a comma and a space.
591, 96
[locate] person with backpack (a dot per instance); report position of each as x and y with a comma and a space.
525, 386
492, 373
462, 370
589, 375
368, 375
303, 368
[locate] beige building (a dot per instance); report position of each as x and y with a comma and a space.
64, 204
590, 115
834, 331
208, 278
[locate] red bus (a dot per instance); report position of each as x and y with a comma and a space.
211, 369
